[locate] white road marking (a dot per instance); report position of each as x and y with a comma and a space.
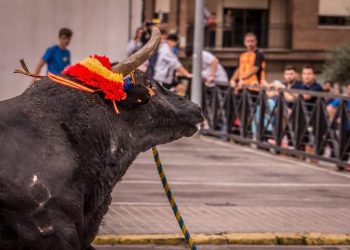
269, 155
213, 164
240, 184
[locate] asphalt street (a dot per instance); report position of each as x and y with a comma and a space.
226, 188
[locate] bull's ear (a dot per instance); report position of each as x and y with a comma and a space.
137, 95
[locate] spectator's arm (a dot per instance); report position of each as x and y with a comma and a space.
234, 78
331, 110
213, 68
39, 66
183, 72
290, 97
307, 97
45, 59
37, 69
180, 69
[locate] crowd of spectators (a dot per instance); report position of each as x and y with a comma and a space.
250, 72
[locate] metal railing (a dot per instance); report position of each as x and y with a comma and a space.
300, 128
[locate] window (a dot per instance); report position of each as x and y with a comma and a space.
334, 20
238, 22
334, 13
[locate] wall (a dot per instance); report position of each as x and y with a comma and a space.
278, 28
29, 27
239, 4
307, 35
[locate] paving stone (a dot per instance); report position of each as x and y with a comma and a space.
222, 187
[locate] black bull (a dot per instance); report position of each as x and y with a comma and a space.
62, 152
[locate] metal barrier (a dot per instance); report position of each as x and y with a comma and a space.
299, 128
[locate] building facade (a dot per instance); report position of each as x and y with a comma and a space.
289, 31
29, 27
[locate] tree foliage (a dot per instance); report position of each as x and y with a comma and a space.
337, 67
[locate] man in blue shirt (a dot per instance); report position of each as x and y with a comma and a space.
291, 82
57, 57
332, 107
309, 81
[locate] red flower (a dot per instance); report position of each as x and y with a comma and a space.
114, 91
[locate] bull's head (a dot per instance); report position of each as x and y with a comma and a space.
150, 115
157, 118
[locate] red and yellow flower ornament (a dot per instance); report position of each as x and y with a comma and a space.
95, 74
95, 71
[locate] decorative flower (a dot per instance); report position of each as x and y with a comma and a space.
95, 71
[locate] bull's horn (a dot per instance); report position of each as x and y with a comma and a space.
139, 57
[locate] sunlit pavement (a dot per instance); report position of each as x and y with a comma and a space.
226, 188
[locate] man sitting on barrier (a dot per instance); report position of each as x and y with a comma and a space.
212, 71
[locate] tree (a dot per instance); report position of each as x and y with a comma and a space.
337, 66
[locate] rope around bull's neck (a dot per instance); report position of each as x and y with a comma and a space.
171, 200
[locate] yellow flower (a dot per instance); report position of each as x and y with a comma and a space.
95, 66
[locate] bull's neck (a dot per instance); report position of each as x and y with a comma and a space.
100, 138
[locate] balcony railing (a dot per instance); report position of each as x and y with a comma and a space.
299, 128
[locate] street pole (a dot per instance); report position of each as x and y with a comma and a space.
196, 88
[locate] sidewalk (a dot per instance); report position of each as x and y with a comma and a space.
223, 188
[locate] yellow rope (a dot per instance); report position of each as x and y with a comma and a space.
171, 200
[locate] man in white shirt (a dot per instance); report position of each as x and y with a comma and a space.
212, 71
167, 63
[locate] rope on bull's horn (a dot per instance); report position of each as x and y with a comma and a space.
171, 200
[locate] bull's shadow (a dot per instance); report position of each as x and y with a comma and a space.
63, 150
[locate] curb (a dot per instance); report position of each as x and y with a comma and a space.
228, 238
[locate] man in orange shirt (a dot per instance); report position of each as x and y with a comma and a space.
251, 67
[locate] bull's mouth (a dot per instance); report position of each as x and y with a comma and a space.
194, 126
190, 130
176, 132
